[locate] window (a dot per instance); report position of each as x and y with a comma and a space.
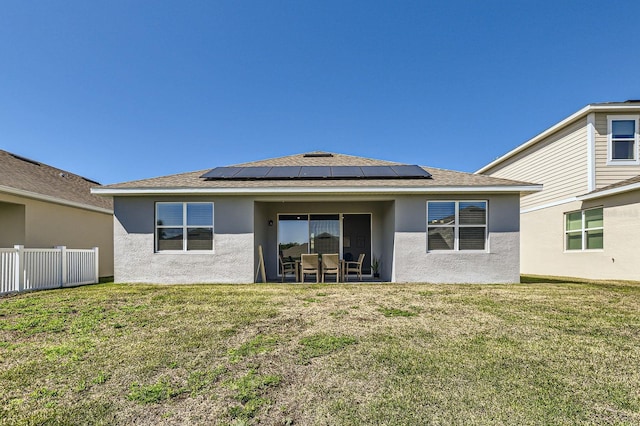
584, 230
623, 139
184, 227
456, 225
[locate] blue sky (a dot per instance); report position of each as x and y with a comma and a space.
124, 90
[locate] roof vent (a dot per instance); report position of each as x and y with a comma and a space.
62, 175
318, 154
26, 160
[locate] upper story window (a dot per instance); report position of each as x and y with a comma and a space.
456, 225
584, 230
184, 227
623, 140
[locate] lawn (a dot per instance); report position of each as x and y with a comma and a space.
534, 353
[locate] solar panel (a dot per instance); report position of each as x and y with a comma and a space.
253, 173
410, 171
284, 172
379, 172
315, 172
222, 173
346, 172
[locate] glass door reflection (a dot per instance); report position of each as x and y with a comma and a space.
324, 233
293, 236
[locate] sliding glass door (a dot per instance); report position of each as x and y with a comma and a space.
324, 233
346, 234
293, 236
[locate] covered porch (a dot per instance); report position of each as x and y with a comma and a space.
289, 229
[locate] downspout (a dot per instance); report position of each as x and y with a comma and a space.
591, 150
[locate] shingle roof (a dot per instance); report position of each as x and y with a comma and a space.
32, 176
621, 184
440, 177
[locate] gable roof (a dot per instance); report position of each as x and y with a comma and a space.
24, 177
441, 180
631, 105
626, 185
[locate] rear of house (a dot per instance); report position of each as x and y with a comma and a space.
419, 224
584, 223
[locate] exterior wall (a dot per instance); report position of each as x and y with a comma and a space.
12, 224
134, 242
398, 239
559, 163
543, 241
48, 225
499, 264
609, 174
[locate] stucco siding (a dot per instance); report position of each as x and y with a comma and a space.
12, 224
398, 238
46, 225
608, 174
542, 241
559, 163
134, 239
499, 264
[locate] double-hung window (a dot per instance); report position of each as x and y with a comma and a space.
584, 230
184, 227
623, 140
456, 225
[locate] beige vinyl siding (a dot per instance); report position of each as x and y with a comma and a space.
608, 174
559, 163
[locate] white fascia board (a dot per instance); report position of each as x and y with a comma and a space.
312, 191
50, 199
547, 205
612, 191
584, 111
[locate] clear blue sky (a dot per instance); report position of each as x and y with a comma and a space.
124, 90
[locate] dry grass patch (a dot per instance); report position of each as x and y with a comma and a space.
536, 353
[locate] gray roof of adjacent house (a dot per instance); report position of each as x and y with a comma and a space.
33, 179
440, 179
631, 184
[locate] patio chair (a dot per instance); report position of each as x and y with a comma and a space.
331, 265
309, 265
353, 266
288, 267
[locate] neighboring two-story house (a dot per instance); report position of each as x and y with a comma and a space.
586, 220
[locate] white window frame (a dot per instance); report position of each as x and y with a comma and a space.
583, 231
610, 140
184, 227
457, 225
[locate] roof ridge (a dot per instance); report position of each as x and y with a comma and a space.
301, 159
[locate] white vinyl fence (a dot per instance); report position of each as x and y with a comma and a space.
24, 269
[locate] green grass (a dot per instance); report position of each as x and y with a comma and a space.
549, 351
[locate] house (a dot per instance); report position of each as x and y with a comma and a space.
42, 207
585, 222
420, 224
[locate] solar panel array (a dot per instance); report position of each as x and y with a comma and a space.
316, 172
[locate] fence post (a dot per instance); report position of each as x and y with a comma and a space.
20, 267
96, 251
63, 264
